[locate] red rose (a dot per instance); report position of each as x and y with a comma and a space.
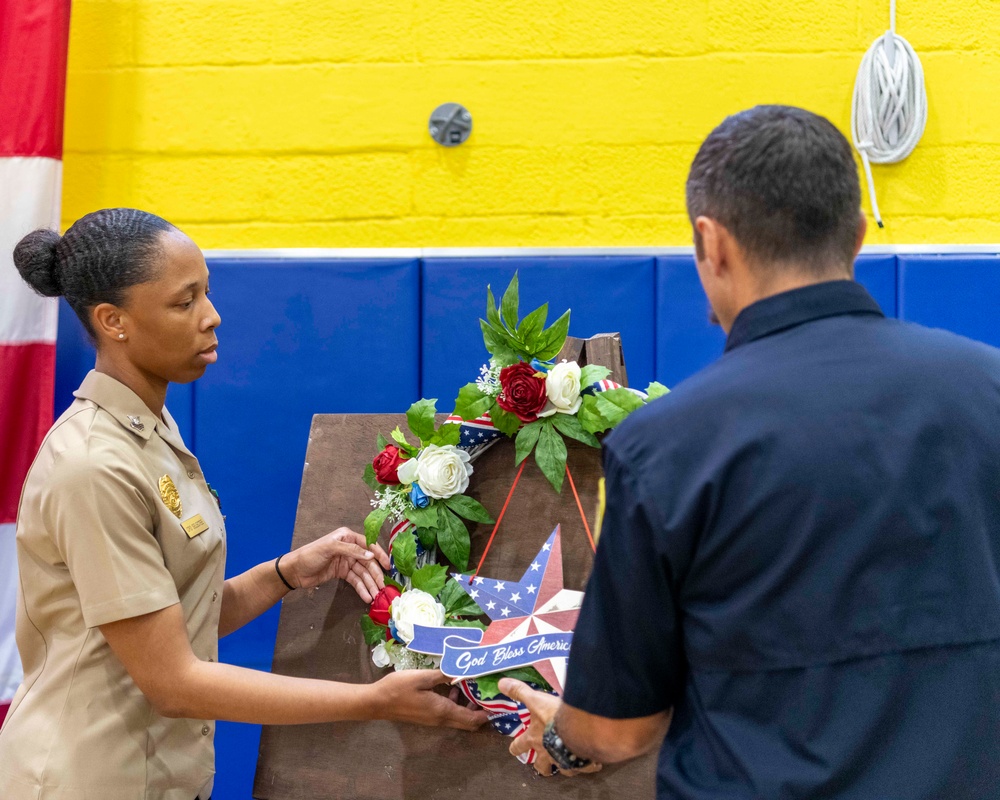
387, 464
378, 611
522, 393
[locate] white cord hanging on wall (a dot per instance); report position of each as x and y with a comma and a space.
889, 110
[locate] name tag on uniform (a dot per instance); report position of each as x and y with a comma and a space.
192, 527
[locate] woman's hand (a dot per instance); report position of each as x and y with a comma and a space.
342, 554
409, 696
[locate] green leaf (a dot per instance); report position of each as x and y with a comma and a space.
420, 418
428, 537
532, 325
390, 582
448, 433
404, 553
464, 623
591, 374
452, 594
492, 315
526, 439
504, 421
372, 631
509, 304
456, 601
590, 416
488, 684
570, 426
369, 476
373, 524
453, 538
472, 403
656, 389
551, 341
500, 345
616, 404
550, 455
404, 445
430, 578
381, 442
467, 507
422, 517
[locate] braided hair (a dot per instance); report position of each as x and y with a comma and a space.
95, 261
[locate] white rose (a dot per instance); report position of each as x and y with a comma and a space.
407, 472
562, 387
443, 471
380, 655
415, 607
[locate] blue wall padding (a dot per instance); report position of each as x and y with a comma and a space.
685, 339
297, 339
958, 292
606, 294
75, 358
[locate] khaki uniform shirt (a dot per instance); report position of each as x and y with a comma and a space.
98, 542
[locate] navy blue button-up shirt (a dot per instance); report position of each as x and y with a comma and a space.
801, 557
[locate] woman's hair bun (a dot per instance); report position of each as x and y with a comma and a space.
36, 259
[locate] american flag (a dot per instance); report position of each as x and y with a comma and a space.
506, 716
33, 46
477, 435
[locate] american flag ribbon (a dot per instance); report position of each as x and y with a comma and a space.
506, 716
478, 434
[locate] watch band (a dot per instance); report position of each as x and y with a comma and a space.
557, 750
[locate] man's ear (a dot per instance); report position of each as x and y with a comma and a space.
862, 230
715, 243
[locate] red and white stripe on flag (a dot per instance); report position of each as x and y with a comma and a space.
33, 42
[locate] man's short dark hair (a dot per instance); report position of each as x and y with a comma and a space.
783, 182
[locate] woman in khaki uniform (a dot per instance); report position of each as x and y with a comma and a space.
121, 551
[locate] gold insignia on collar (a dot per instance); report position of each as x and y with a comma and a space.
171, 499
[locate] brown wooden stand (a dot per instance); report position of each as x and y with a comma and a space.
319, 636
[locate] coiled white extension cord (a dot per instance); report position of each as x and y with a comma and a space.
889, 110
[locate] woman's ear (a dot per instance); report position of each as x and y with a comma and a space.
108, 322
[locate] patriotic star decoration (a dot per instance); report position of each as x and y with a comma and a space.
536, 604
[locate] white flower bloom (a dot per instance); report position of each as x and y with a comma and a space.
562, 387
407, 472
443, 471
379, 655
415, 607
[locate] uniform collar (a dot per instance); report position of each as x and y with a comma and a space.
120, 402
788, 309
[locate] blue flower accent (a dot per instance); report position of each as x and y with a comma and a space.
541, 366
418, 498
396, 636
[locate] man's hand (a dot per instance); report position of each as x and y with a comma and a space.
543, 707
342, 554
409, 696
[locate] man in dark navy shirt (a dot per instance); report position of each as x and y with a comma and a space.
800, 559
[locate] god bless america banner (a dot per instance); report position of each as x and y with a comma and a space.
531, 623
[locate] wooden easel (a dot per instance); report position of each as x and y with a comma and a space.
319, 634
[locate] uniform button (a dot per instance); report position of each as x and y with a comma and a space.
205, 730
215, 596
191, 473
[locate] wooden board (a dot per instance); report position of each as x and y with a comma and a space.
319, 635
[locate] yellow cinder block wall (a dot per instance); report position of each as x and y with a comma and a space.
303, 123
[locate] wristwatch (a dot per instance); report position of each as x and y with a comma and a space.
557, 750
